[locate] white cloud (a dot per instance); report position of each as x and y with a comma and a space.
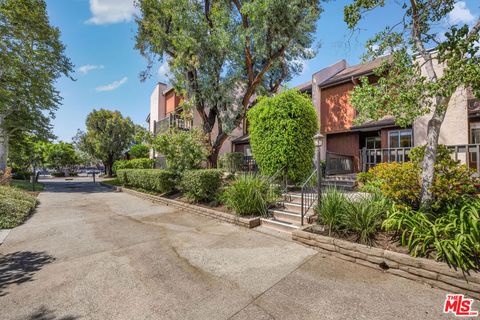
111, 11
112, 86
89, 67
460, 14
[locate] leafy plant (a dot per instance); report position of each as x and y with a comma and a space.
364, 217
202, 185
141, 163
183, 150
332, 209
139, 151
453, 237
249, 195
282, 128
162, 181
15, 206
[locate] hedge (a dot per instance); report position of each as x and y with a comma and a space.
202, 184
142, 163
15, 206
157, 180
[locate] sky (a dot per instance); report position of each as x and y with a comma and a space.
100, 35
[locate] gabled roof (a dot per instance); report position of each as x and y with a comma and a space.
354, 71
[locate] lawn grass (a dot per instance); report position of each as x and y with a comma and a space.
26, 185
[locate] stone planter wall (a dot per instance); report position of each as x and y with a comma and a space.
427, 271
244, 222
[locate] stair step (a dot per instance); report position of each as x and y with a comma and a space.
279, 225
289, 216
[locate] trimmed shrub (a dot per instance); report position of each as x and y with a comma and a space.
201, 185
231, 161
142, 163
15, 206
249, 195
21, 175
161, 181
282, 128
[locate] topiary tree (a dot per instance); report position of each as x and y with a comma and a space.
281, 134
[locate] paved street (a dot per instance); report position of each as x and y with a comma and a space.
91, 253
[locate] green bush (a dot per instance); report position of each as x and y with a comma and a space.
453, 237
139, 151
332, 209
183, 150
73, 174
249, 195
142, 163
202, 184
401, 182
22, 175
15, 206
282, 128
161, 181
231, 161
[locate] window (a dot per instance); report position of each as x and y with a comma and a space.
373, 142
475, 133
400, 138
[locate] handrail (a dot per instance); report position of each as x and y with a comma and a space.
308, 197
283, 184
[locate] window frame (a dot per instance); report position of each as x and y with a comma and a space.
398, 133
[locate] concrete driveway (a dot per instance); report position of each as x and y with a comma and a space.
90, 253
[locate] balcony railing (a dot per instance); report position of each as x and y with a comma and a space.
173, 120
468, 154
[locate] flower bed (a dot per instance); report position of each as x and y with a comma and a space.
427, 271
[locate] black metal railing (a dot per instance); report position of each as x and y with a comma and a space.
468, 154
309, 194
278, 184
339, 163
249, 164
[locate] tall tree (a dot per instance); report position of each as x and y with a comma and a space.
416, 81
222, 53
108, 136
61, 156
32, 58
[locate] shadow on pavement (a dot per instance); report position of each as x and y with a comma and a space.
75, 187
44, 314
19, 267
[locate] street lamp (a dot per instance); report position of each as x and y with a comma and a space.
318, 138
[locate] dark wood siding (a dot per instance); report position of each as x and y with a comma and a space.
346, 144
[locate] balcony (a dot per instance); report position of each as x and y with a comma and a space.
468, 154
173, 120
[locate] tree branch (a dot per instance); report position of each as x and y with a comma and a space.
248, 54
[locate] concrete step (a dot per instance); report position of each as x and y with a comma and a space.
279, 225
293, 217
339, 184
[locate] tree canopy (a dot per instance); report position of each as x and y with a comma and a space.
222, 53
32, 58
415, 81
108, 136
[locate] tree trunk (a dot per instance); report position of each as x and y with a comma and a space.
4, 140
428, 164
